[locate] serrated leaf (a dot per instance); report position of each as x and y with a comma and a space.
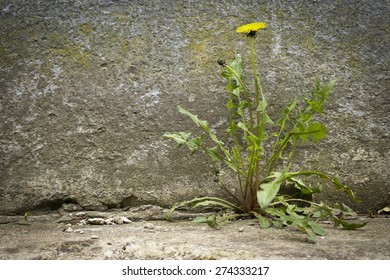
301, 186
314, 130
213, 153
320, 95
230, 104
179, 137
203, 124
317, 131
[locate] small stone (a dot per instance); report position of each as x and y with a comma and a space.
126, 220
94, 237
80, 214
110, 221
121, 220
68, 230
241, 229
79, 231
96, 221
82, 222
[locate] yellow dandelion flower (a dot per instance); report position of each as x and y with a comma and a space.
251, 28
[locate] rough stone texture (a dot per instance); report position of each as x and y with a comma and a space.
40, 238
88, 88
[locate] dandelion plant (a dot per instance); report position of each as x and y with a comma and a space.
261, 175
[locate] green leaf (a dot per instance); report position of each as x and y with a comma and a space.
346, 225
319, 95
184, 138
213, 137
263, 221
302, 187
348, 210
310, 232
212, 203
242, 126
201, 201
294, 217
285, 113
236, 65
212, 221
319, 230
317, 131
213, 153
195, 119
230, 104
314, 130
200, 220
339, 186
179, 137
269, 190
277, 223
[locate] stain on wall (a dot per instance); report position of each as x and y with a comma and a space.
88, 88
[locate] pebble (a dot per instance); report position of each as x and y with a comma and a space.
121, 220
82, 222
241, 229
80, 214
79, 231
126, 220
94, 237
110, 221
68, 229
96, 221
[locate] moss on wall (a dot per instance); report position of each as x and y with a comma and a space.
88, 88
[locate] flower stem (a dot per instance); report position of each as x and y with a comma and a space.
258, 89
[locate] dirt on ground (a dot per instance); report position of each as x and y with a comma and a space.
124, 235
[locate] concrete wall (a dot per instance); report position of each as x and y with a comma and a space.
88, 88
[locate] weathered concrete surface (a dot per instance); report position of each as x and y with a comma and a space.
44, 239
88, 88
